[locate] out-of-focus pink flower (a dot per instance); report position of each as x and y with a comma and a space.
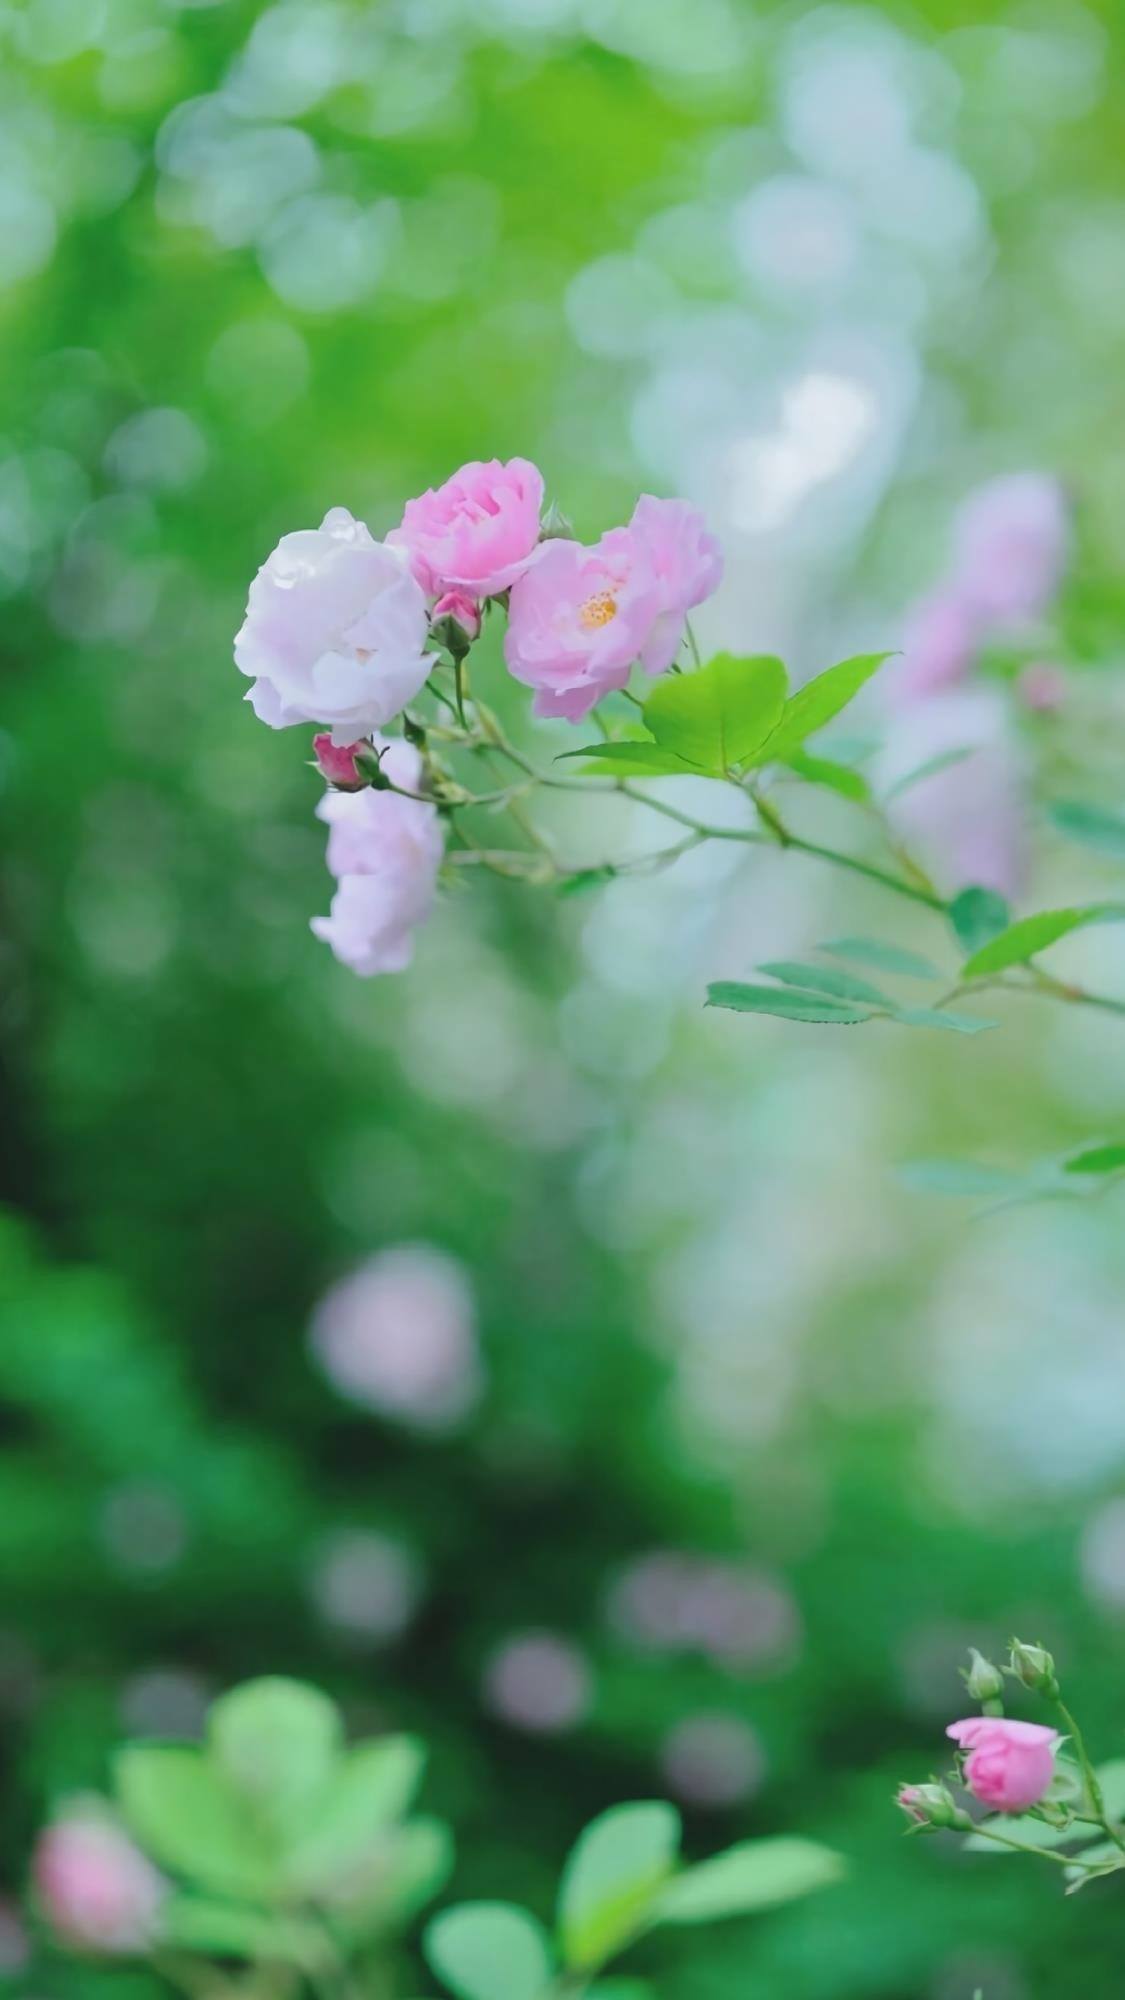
335, 631
385, 851
1009, 1765
399, 1336
579, 619
476, 533
98, 1890
1011, 545
712, 1759
966, 823
941, 634
461, 610
1042, 687
687, 561
539, 1681
336, 762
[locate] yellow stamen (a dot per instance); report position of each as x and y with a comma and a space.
598, 610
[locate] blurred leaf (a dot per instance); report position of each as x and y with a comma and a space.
755, 1875
370, 1790
587, 878
276, 1742
978, 915
942, 762
490, 1951
787, 1004
1097, 1160
942, 1017
612, 1874
823, 771
179, 1809
718, 716
825, 979
817, 702
960, 1177
1094, 826
231, 1930
884, 957
1022, 940
402, 1872
630, 760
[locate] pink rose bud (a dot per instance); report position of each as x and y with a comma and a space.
463, 615
1008, 1765
98, 1890
1042, 687
927, 1805
336, 762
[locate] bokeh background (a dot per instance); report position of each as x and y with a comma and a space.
670, 1442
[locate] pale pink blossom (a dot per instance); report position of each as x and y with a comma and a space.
580, 618
1011, 545
941, 635
98, 1890
1042, 687
687, 561
967, 823
336, 762
335, 631
1009, 1765
461, 610
399, 1336
539, 1681
478, 532
385, 851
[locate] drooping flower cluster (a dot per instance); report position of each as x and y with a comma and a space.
968, 820
344, 632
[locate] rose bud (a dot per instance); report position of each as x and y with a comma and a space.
984, 1681
1034, 1666
929, 1805
336, 762
1009, 1765
98, 1890
456, 622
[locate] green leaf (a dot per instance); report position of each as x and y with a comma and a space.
1026, 1831
370, 1790
755, 1875
612, 1875
405, 1870
232, 1930
961, 1177
720, 715
825, 979
816, 703
276, 1742
620, 1989
824, 771
1094, 826
1022, 940
1097, 1160
787, 1004
942, 762
632, 760
490, 1951
978, 915
587, 878
884, 957
942, 1017
179, 1809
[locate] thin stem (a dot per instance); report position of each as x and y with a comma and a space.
1044, 1853
1078, 996
1090, 1776
692, 642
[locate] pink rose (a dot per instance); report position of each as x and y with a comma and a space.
967, 823
579, 619
688, 564
336, 762
476, 533
942, 633
1009, 1765
385, 851
1011, 545
98, 1890
335, 631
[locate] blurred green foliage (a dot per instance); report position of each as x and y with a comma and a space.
711, 1320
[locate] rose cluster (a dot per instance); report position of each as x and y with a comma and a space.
344, 631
